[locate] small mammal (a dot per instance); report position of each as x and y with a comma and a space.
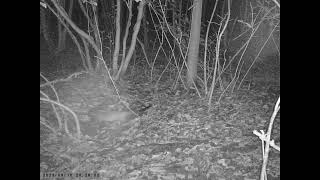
102, 114
109, 116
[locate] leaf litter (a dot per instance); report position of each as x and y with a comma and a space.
177, 138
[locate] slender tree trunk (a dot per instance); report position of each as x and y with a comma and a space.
62, 32
126, 33
88, 63
45, 30
145, 28
83, 34
136, 28
96, 28
194, 42
117, 40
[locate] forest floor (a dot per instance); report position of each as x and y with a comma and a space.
178, 137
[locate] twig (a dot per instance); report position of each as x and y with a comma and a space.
62, 80
43, 122
266, 139
68, 109
56, 95
220, 33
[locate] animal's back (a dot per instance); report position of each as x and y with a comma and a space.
109, 116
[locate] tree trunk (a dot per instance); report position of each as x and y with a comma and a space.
145, 29
136, 28
194, 42
62, 32
117, 40
126, 33
45, 30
